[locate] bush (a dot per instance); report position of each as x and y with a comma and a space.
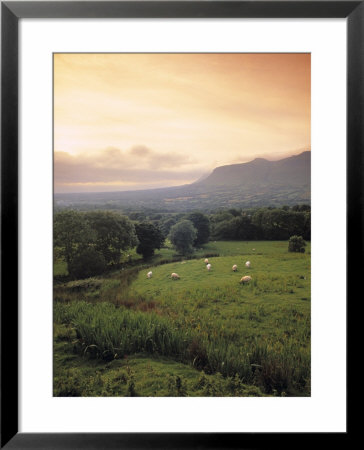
87, 263
296, 244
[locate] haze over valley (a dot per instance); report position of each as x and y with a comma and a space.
257, 183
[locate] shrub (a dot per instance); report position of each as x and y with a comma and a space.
87, 263
296, 244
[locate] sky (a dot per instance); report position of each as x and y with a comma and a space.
141, 121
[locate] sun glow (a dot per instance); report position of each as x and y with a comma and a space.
144, 120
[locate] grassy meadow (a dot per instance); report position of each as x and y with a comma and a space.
205, 334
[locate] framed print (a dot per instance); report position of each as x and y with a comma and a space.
176, 266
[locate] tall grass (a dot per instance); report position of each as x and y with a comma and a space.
109, 332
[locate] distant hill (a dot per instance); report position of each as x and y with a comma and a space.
293, 171
256, 183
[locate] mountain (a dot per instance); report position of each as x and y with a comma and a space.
294, 171
253, 184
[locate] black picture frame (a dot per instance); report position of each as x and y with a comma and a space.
11, 12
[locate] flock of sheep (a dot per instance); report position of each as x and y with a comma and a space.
244, 279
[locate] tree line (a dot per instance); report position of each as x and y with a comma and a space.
236, 224
272, 224
90, 241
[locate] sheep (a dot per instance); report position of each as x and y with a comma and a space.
245, 279
208, 267
247, 264
149, 274
206, 261
235, 268
175, 276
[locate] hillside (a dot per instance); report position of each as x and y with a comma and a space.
257, 183
292, 171
204, 335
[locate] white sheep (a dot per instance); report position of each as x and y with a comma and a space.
247, 264
208, 267
149, 274
245, 279
206, 261
235, 268
175, 276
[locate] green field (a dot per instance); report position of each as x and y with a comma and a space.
202, 335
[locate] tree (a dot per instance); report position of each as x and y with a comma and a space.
246, 229
307, 226
234, 212
114, 234
150, 238
296, 244
202, 225
302, 208
226, 229
238, 228
87, 263
182, 236
167, 224
273, 223
137, 216
71, 233
222, 216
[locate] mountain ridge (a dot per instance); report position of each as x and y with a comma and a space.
259, 182
261, 170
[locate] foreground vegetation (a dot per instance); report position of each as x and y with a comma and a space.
135, 375
205, 334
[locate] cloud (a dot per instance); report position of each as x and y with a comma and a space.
139, 166
140, 150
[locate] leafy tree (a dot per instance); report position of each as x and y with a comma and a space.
202, 225
274, 224
137, 216
247, 230
114, 234
71, 233
150, 238
307, 226
167, 224
224, 230
296, 244
238, 228
301, 208
87, 263
182, 236
155, 216
278, 223
234, 212
221, 216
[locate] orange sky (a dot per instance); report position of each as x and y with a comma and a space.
132, 121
